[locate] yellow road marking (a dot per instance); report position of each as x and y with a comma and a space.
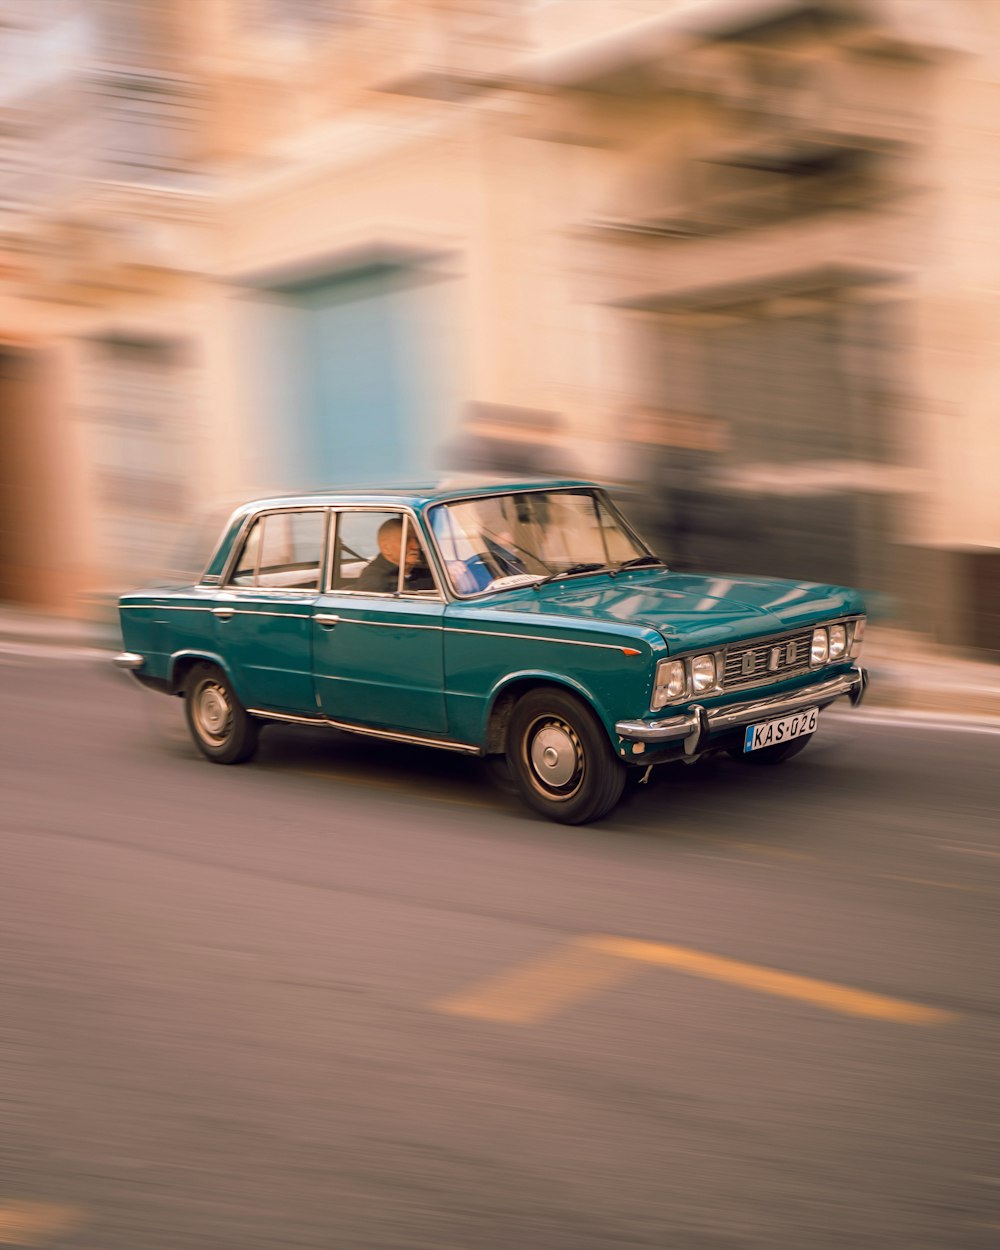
544, 986
825, 994
31, 1223
541, 987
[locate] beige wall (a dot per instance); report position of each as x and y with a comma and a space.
321, 152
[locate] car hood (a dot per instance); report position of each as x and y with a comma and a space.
687, 609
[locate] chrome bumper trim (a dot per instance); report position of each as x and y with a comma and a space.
699, 721
129, 660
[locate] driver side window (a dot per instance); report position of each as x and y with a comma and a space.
359, 563
380, 553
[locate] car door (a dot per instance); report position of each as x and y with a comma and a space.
263, 613
378, 653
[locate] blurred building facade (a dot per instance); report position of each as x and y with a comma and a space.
257, 244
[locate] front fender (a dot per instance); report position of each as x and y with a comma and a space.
543, 677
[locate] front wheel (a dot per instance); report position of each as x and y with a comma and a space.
561, 759
218, 721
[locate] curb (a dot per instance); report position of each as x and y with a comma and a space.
21, 630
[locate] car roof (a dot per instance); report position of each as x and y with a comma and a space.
447, 489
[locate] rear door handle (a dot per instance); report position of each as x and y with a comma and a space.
327, 619
223, 614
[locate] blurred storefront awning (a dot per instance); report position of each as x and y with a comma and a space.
614, 61
369, 256
816, 280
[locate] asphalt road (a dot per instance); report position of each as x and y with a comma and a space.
351, 995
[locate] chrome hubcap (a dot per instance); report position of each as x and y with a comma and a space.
555, 756
212, 711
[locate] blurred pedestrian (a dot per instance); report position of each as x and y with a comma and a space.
675, 458
517, 442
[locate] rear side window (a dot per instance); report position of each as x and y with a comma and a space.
282, 551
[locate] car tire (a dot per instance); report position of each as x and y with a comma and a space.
561, 759
219, 723
498, 771
768, 757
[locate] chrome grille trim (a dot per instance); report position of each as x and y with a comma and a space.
787, 655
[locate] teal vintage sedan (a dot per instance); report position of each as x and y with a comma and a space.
526, 620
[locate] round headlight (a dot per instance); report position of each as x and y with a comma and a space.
820, 647
702, 673
671, 682
838, 641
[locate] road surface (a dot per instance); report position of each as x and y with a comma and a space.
353, 996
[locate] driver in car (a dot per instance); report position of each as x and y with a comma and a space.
382, 573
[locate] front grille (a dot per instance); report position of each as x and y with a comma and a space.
778, 657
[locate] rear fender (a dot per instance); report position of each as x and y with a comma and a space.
181, 662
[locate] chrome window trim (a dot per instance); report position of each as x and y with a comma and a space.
225, 577
215, 579
579, 489
541, 488
410, 516
333, 510
260, 547
261, 594
270, 590
411, 596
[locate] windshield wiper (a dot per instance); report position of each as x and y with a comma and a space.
574, 569
638, 561
515, 579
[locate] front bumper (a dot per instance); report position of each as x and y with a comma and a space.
698, 723
128, 660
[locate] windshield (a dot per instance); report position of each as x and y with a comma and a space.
502, 541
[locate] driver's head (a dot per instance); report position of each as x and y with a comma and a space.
390, 539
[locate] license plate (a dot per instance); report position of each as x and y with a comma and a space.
770, 732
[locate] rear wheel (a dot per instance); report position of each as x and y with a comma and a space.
768, 757
561, 759
218, 721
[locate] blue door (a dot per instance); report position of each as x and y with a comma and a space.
348, 379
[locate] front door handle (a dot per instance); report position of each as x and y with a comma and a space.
327, 619
223, 614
